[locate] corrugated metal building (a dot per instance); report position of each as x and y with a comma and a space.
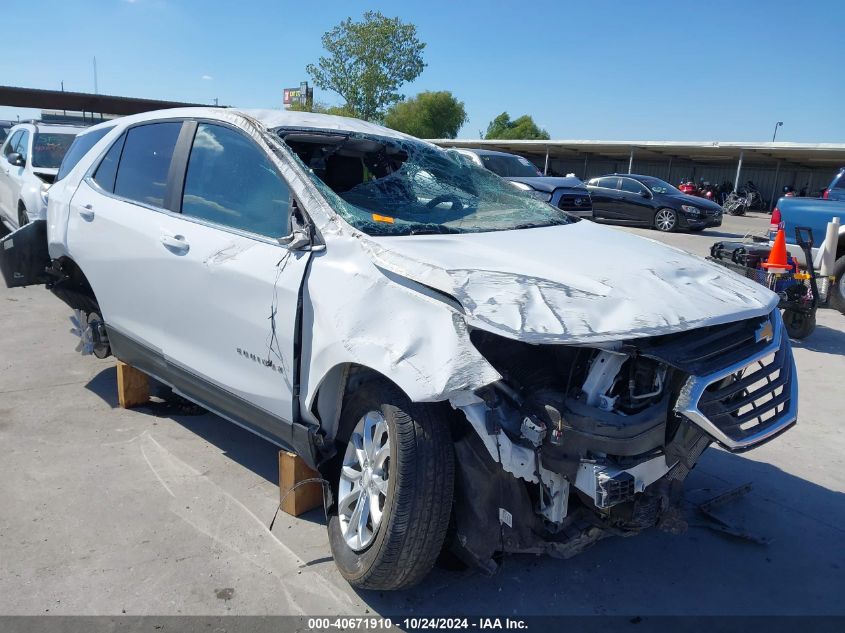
770, 166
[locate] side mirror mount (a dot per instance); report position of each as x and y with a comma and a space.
645, 194
15, 159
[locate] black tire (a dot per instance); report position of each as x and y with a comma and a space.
798, 325
418, 502
666, 220
837, 291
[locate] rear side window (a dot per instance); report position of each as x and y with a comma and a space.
231, 181
80, 146
608, 183
145, 162
840, 184
107, 169
631, 186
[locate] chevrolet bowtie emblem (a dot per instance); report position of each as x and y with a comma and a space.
764, 332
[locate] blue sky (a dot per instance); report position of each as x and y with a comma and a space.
588, 70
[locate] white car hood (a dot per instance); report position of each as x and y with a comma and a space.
573, 283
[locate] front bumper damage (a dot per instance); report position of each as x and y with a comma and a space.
550, 464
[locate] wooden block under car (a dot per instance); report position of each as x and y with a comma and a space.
293, 470
133, 386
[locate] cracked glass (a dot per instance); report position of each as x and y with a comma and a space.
389, 186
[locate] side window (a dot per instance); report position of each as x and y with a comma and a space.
231, 181
80, 146
593, 182
22, 145
10, 146
107, 169
608, 183
840, 184
631, 186
145, 162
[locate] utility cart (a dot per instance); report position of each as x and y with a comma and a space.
798, 290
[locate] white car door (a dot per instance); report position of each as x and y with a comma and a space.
5, 167
11, 175
115, 234
230, 289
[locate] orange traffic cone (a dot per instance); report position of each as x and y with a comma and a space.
777, 258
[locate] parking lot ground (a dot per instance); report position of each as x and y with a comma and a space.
154, 511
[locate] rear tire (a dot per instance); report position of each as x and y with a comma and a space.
402, 548
666, 220
837, 291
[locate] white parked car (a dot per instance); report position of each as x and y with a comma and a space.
31, 155
443, 348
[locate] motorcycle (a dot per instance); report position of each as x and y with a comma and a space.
736, 204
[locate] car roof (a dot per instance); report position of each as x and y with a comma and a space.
40, 126
634, 176
270, 119
485, 152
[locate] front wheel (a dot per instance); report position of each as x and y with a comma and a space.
798, 324
666, 220
394, 488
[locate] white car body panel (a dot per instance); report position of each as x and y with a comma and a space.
592, 284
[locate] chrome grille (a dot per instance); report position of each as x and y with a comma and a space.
749, 401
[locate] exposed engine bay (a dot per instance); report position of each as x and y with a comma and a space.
590, 439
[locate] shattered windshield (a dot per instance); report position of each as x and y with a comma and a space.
387, 186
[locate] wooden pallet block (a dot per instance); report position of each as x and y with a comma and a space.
293, 470
133, 386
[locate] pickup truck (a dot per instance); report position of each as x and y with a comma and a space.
816, 213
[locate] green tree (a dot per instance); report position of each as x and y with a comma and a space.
368, 61
428, 115
522, 128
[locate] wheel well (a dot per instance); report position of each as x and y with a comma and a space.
21, 205
71, 286
339, 381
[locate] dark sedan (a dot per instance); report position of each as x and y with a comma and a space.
647, 201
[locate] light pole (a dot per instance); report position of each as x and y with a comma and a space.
777, 125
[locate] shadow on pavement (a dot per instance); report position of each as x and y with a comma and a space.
236, 443
824, 339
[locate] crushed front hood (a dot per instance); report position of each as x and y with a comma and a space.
574, 283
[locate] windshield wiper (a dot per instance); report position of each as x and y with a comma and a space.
433, 229
534, 225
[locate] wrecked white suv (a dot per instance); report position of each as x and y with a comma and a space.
468, 367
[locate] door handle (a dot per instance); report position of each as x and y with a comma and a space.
87, 212
175, 242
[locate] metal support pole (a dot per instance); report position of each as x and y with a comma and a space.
669, 175
738, 169
546, 166
585, 166
631, 161
775, 187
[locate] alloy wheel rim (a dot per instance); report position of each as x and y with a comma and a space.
364, 477
665, 220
